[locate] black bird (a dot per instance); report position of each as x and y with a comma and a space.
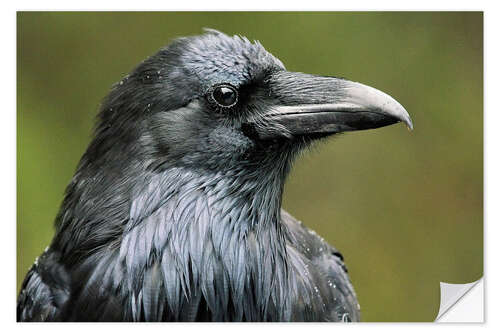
174, 212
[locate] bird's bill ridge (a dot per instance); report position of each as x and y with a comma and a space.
316, 105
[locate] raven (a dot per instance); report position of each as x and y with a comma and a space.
174, 212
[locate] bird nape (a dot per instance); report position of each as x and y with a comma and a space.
174, 212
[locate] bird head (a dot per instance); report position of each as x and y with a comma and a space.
213, 100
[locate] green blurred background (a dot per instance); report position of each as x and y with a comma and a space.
405, 209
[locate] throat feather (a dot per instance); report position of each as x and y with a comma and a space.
219, 236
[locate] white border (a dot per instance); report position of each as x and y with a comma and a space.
8, 139
282, 5
468, 308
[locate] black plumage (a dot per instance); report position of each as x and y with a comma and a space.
174, 212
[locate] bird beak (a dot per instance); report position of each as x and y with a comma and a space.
315, 105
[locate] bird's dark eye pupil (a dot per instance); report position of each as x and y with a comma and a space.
225, 96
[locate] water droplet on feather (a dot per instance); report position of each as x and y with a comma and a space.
346, 318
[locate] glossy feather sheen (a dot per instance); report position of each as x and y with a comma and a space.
189, 241
174, 213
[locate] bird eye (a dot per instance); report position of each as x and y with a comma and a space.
225, 95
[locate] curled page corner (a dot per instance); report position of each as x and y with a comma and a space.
456, 306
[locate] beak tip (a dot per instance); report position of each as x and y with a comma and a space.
409, 124
382, 102
406, 119
397, 110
